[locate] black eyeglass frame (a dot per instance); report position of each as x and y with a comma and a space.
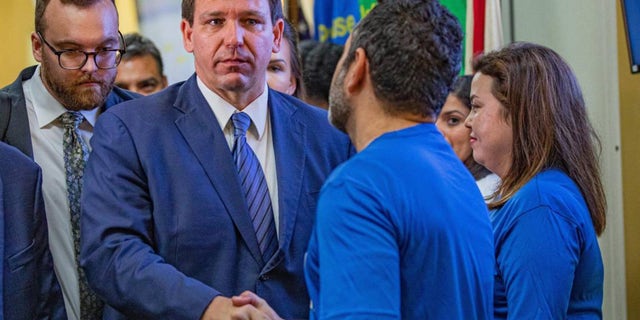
58, 53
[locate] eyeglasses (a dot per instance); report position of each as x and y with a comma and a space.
76, 59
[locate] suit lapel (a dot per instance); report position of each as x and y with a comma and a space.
13, 114
200, 129
289, 134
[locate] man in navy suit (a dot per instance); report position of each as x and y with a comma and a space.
78, 47
166, 226
28, 287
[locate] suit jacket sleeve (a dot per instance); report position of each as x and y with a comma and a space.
51, 303
118, 252
30, 289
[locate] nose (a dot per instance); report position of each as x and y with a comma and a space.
469, 119
90, 65
234, 34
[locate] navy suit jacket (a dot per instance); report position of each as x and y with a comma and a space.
14, 122
28, 286
165, 224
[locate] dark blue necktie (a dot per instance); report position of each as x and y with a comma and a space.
255, 187
76, 153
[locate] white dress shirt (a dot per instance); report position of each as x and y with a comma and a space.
46, 138
259, 136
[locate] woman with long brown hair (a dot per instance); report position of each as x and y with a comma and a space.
529, 125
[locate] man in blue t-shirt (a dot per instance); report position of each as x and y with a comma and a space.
402, 230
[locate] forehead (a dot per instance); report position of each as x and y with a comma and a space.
81, 24
227, 6
481, 83
139, 64
454, 104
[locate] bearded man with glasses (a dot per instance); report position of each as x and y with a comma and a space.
49, 112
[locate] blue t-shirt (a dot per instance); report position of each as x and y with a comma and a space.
548, 259
402, 232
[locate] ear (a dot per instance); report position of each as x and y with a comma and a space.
358, 72
292, 85
278, 29
36, 47
165, 83
187, 32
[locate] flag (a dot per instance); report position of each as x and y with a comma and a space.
481, 22
334, 19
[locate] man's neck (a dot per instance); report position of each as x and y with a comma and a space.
369, 124
239, 99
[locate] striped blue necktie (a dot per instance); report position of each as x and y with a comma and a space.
76, 153
255, 187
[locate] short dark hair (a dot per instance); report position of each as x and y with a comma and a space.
188, 8
137, 45
319, 61
41, 6
462, 89
414, 48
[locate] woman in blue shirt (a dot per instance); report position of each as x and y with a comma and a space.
529, 125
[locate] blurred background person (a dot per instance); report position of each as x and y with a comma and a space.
141, 69
319, 60
529, 125
451, 123
284, 72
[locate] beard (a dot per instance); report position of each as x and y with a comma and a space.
68, 90
339, 110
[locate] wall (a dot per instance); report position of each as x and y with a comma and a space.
17, 20
629, 119
584, 33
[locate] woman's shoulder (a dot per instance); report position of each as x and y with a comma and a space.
552, 190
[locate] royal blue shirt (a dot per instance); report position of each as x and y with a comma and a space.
402, 232
547, 255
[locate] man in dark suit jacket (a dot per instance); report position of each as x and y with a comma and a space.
166, 226
28, 287
77, 45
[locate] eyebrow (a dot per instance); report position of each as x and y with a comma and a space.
452, 111
67, 42
277, 60
215, 14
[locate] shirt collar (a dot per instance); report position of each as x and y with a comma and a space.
46, 107
223, 110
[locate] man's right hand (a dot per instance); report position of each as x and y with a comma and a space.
222, 308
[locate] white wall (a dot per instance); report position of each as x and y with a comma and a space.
160, 21
584, 33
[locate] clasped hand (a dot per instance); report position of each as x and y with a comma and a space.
246, 306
